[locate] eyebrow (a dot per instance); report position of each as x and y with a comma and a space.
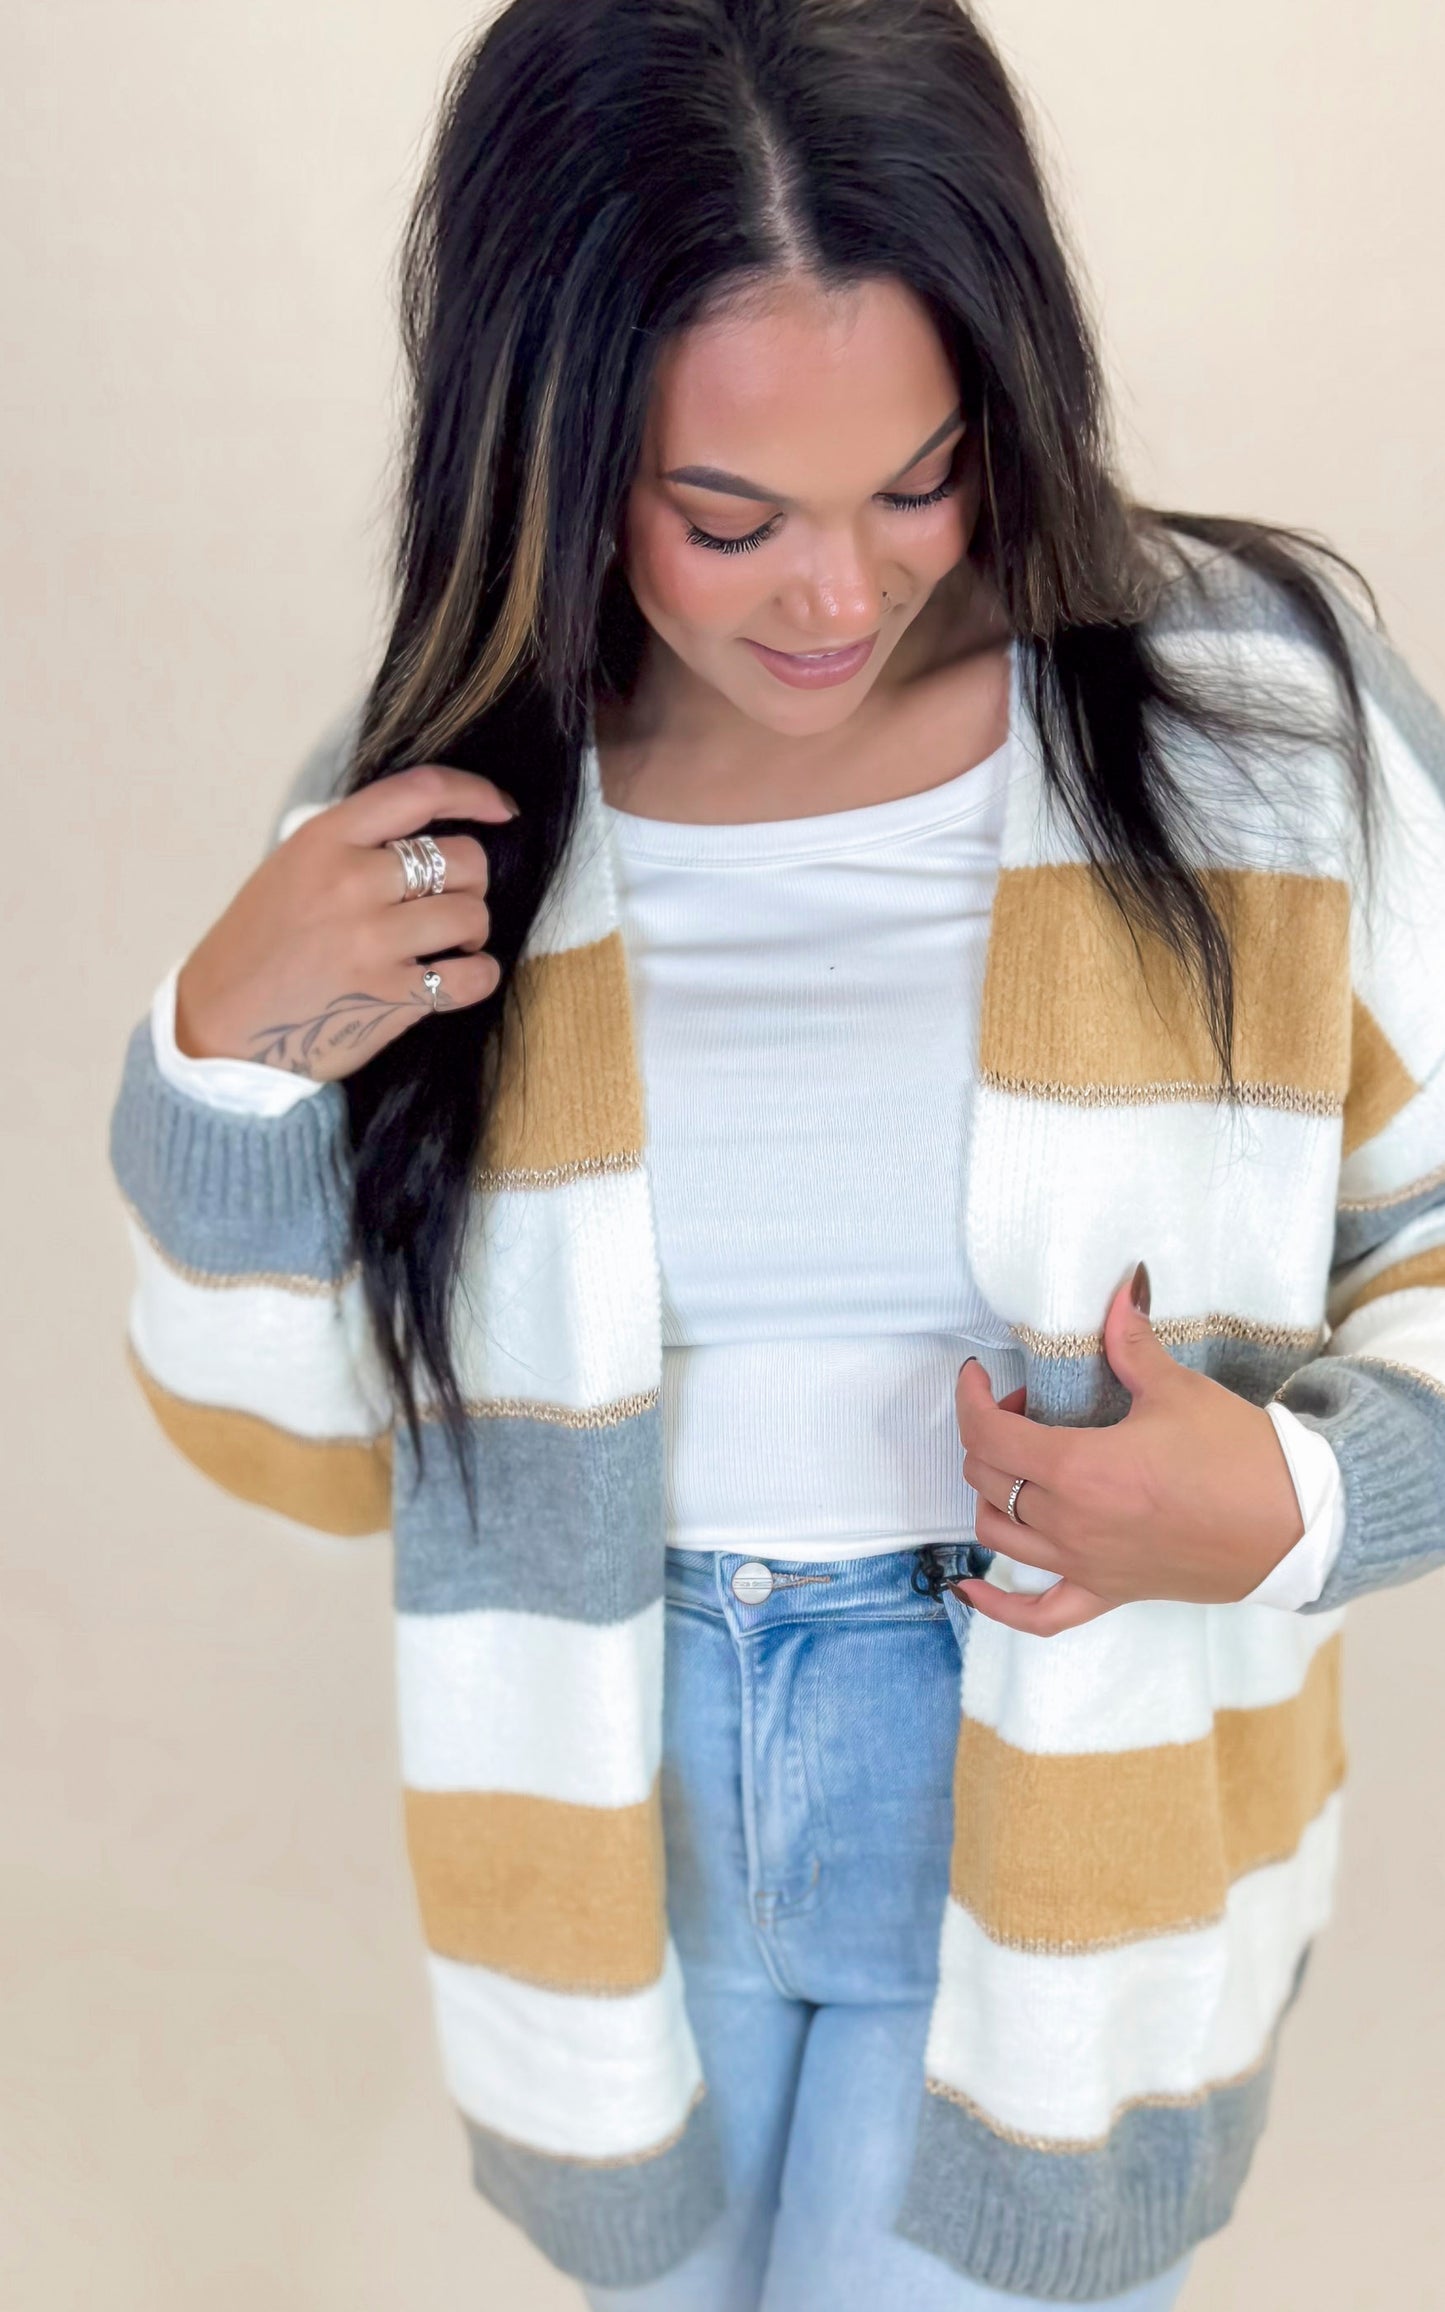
736, 486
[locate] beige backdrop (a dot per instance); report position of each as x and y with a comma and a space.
219, 2086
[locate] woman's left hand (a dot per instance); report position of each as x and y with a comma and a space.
1189, 1496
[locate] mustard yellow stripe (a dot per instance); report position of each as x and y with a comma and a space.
568, 1098
1076, 1008
1056, 1853
1380, 1083
338, 1484
567, 1897
1420, 1268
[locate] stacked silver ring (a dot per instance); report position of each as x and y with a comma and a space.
423, 865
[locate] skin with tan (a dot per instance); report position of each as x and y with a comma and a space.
796, 538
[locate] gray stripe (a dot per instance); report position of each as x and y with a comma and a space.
1388, 1434
570, 1521
1074, 2226
232, 1195
1362, 1231
613, 2227
1082, 1392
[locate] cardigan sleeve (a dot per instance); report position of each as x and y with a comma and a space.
248, 1334
1377, 1393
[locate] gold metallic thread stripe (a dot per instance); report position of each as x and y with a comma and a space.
1176, 1092
1175, 1332
1063, 1853
560, 1175
337, 1484
555, 1416
1417, 1373
1389, 1197
566, 1897
279, 1280
1074, 2146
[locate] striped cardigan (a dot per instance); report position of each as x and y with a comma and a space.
1146, 1808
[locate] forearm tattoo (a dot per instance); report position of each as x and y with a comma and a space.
348, 1022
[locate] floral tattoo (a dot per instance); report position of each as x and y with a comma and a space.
348, 1022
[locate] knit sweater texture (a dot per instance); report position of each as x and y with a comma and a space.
1146, 1808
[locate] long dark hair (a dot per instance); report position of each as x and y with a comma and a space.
603, 171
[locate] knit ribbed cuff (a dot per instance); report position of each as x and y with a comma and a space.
1387, 1428
1074, 2226
612, 2226
231, 1195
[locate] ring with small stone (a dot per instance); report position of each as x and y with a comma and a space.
1013, 1493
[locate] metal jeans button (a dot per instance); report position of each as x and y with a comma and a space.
752, 1584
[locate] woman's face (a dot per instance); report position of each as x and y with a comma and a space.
803, 487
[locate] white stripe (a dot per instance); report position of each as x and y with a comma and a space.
572, 2077
581, 903
302, 1360
1232, 1209
1143, 1675
1053, 2047
1403, 1328
1290, 815
559, 1300
532, 1704
1422, 1234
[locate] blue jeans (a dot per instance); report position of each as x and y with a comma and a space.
807, 1791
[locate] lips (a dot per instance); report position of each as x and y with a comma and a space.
814, 669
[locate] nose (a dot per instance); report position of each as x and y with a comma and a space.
836, 597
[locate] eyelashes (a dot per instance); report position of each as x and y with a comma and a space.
754, 538
896, 502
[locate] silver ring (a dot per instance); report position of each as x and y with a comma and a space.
435, 862
1013, 1493
414, 867
432, 982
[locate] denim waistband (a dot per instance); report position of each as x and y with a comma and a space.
892, 1582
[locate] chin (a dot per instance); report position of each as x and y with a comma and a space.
801, 714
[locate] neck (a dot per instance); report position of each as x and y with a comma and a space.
679, 750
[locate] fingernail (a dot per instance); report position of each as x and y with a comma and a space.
963, 1368
1139, 1289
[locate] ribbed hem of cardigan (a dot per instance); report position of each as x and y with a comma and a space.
232, 1196
1072, 2227
1387, 1429
610, 2226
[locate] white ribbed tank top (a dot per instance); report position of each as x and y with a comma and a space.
807, 996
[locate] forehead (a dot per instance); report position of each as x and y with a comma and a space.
810, 390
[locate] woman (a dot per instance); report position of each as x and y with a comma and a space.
829, 905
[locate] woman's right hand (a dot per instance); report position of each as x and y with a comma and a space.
315, 965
